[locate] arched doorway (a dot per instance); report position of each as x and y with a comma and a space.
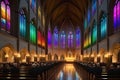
7, 54
33, 56
49, 57
77, 57
62, 58
24, 55
102, 57
115, 52
69, 54
55, 57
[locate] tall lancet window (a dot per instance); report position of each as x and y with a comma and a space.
32, 33
78, 38
5, 16
49, 38
94, 7
62, 39
103, 26
94, 33
116, 16
70, 39
33, 5
22, 24
55, 38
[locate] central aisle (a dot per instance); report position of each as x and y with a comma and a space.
68, 72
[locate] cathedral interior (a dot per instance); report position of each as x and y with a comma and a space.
60, 39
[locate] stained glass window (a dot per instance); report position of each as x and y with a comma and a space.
39, 38
5, 16
94, 7
70, 40
49, 39
88, 16
94, 33
89, 39
32, 33
86, 41
62, 39
55, 38
33, 5
22, 24
85, 23
43, 41
77, 38
39, 12
116, 16
103, 26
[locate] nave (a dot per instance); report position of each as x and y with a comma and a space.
59, 71
60, 39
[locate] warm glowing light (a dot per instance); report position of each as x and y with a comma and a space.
98, 55
87, 41
106, 55
70, 59
3, 15
43, 41
6, 56
109, 53
18, 55
42, 55
27, 55
35, 55
39, 38
39, 12
92, 55
24, 60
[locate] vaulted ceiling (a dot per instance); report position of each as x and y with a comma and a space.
64, 11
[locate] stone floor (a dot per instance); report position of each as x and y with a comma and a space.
68, 72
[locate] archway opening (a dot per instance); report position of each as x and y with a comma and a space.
49, 57
55, 57
7, 54
62, 58
25, 57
